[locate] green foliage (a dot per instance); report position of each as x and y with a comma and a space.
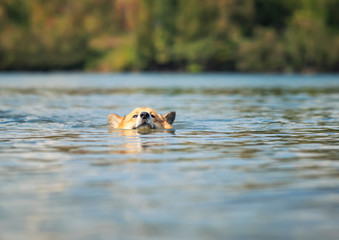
190, 35
310, 45
264, 52
274, 13
18, 12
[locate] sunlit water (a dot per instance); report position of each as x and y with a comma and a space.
252, 157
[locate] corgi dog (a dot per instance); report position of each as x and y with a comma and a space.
143, 119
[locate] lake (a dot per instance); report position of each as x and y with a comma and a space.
251, 157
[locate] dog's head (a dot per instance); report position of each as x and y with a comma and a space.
142, 118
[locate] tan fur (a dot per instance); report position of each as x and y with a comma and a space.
158, 121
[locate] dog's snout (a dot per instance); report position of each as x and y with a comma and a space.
144, 115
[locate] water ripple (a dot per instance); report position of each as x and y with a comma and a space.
255, 151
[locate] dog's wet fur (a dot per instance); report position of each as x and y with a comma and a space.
142, 119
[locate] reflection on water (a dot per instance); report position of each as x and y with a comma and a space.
134, 140
251, 157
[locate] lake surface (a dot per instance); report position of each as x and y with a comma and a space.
252, 157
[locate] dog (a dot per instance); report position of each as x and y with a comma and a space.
142, 119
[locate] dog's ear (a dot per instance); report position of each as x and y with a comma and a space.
170, 117
114, 120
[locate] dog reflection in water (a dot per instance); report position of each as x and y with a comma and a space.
140, 121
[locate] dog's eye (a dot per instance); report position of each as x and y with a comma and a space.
135, 116
152, 116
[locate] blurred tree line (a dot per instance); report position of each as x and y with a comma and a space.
178, 35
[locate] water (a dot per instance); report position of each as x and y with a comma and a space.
252, 157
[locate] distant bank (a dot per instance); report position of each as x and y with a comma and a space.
172, 35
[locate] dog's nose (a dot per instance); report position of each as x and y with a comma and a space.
144, 115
